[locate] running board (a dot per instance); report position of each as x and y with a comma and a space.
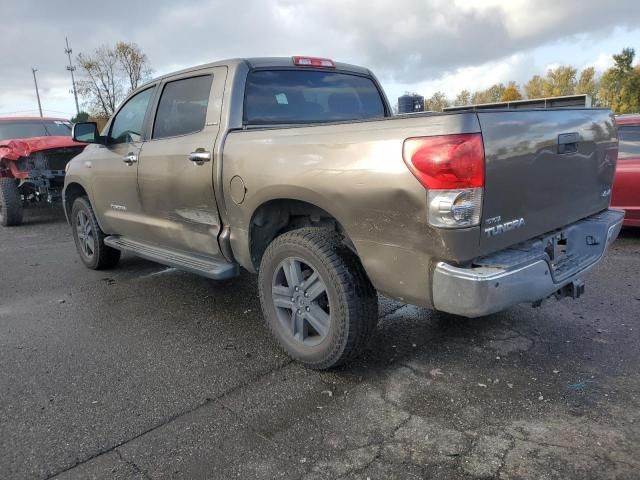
207, 267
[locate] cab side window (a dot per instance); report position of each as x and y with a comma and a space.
129, 121
183, 107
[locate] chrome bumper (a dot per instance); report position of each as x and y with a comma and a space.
524, 273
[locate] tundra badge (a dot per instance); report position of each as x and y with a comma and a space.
500, 228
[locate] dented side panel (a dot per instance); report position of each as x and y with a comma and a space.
177, 197
355, 172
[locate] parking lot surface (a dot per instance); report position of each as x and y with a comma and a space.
149, 372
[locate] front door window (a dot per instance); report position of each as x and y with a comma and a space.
128, 124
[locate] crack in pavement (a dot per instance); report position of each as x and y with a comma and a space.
172, 418
246, 424
570, 449
503, 460
133, 465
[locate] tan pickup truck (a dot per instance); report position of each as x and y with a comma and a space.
295, 168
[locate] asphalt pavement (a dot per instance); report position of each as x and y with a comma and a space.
148, 372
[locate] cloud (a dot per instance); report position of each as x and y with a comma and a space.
518, 67
603, 62
405, 41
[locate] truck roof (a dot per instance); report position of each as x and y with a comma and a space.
264, 62
628, 119
32, 119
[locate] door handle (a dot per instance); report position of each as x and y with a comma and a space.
199, 157
130, 158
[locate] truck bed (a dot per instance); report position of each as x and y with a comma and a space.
356, 173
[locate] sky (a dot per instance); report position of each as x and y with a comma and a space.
423, 46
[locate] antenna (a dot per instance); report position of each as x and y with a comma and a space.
72, 69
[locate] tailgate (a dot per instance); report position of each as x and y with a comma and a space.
544, 170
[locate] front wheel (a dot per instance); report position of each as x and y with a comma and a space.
10, 203
89, 238
316, 298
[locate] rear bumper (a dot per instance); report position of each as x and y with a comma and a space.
525, 273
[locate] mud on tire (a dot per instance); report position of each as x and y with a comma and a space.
351, 300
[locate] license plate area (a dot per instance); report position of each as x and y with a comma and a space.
573, 248
556, 246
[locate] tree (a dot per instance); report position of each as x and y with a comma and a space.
134, 62
620, 85
436, 103
109, 75
511, 93
587, 83
535, 87
490, 95
463, 98
495, 92
560, 81
479, 97
80, 117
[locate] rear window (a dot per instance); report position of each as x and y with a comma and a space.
629, 146
298, 96
30, 128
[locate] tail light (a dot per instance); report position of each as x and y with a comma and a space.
451, 168
313, 62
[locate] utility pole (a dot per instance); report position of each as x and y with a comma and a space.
72, 69
35, 81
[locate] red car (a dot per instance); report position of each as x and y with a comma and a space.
33, 155
626, 186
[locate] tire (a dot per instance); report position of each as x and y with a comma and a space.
89, 238
10, 203
319, 330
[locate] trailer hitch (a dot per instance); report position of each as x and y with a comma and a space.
575, 289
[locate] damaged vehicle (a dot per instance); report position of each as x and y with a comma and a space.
297, 170
34, 153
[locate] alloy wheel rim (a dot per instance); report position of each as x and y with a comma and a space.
86, 238
301, 301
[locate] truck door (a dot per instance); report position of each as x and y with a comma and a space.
114, 189
176, 168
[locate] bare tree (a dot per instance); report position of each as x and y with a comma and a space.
134, 62
109, 74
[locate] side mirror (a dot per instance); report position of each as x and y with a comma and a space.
86, 132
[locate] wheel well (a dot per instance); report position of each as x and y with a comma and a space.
73, 191
279, 216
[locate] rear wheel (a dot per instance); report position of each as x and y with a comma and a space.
316, 298
10, 203
89, 238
